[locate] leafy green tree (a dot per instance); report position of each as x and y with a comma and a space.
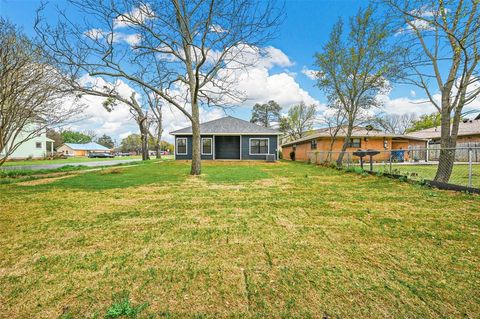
165, 146
106, 141
355, 66
132, 143
299, 121
425, 121
265, 114
75, 137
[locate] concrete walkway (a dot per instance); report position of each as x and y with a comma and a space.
53, 166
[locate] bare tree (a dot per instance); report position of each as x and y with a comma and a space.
394, 123
442, 38
299, 121
110, 91
155, 121
355, 68
187, 52
334, 119
32, 95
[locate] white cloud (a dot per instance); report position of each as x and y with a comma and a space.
311, 74
275, 57
258, 83
217, 28
115, 37
138, 14
413, 93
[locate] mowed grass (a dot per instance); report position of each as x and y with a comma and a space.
243, 240
67, 160
460, 173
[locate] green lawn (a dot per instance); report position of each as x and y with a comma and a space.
243, 240
419, 171
66, 161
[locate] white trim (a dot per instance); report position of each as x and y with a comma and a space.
240, 147
258, 138
211, 146
176, 145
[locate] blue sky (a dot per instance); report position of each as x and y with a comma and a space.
304, 31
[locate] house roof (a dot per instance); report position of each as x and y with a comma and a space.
228, 125
467, 127
357, 132
87, 147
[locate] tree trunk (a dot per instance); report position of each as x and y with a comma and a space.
345, 144
158, 154
145, 155
196, 168
144, 138
448, 144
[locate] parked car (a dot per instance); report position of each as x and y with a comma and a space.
101, 155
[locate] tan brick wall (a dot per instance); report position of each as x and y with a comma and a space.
375, 143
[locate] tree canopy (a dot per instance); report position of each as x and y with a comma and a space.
265, 114
76, 137
299, 121
106, 141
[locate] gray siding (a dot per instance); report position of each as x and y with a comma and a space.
273, 149
244, 143
189, 148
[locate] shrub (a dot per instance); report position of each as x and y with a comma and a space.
292, 155
280, 155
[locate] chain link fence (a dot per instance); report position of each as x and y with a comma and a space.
418, 164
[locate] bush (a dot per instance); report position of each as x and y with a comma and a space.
292, 155
280, 155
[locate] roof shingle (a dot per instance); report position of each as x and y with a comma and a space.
228, 125
469, 127
357, 132
87, 147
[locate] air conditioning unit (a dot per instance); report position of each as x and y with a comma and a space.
270, 158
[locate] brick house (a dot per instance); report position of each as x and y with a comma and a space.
362, 138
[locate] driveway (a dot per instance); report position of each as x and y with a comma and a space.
53, 166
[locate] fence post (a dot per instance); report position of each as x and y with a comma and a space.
390, 162
470, 168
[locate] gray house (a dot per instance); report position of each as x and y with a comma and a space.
229, 138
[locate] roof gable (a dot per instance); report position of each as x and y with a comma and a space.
228, 125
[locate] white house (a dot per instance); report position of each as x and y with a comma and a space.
36, 147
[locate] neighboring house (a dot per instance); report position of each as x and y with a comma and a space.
362, 138
229, 138
36, 147
72, 149
468, 132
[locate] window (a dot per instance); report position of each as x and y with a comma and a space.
181, 146
38, 144
206, 146
355, 142
313, 144
259, 146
